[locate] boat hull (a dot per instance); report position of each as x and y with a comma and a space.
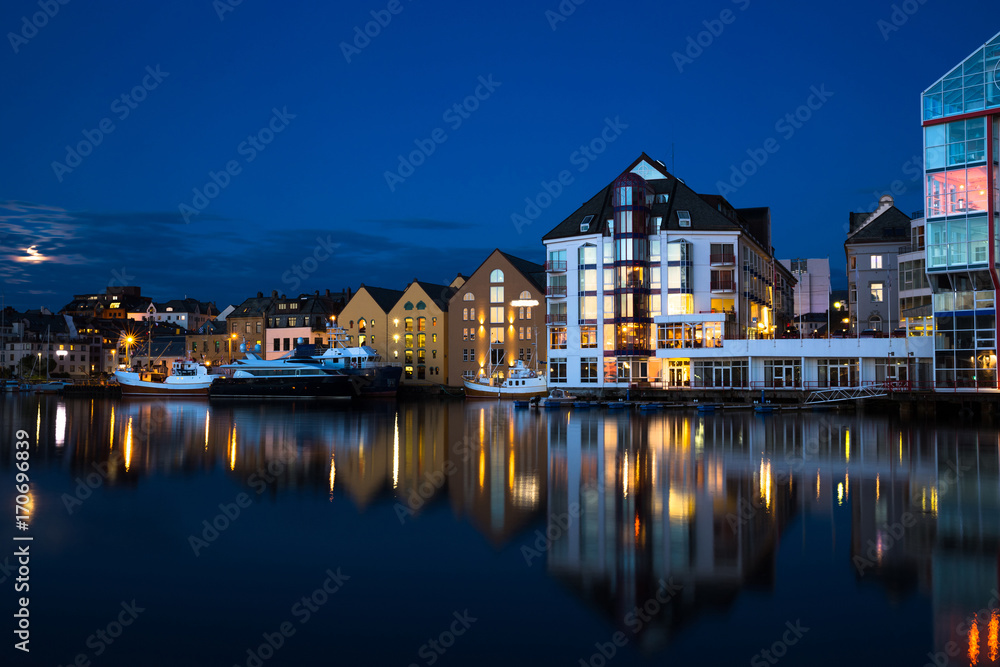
131, 385
477, 390
294, 387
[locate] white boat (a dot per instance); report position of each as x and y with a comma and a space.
50, 387
520, 383
187, 378
557, 399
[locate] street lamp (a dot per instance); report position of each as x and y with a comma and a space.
232, 338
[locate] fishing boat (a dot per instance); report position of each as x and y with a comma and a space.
377, 378
187, 378
521, 383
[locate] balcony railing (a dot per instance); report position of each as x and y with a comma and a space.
555, 318
723, 286
555, 290
555, 265
722, 258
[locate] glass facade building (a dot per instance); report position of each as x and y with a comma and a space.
961, 125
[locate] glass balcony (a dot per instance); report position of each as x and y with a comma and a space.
555, 265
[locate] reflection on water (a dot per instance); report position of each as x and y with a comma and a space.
705, 501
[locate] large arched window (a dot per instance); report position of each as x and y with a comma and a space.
362, 326
525, 295
496, 276
469, 296
875, 322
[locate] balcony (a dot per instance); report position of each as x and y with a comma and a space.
555, 266
723, 286
555, 291
555, 318
722, 259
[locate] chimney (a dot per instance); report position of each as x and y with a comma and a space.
260, 295
328, 292
274, 294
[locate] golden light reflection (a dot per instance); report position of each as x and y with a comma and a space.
900, 447
840, 493
111, 438
817, 485
637, 526
395, 453
38, 421
128, 444
992, 640
232, 449
974, 642
680, 505
847, 444
482, 466
876, 488
510, 471
207, 418
847, 485
765, 483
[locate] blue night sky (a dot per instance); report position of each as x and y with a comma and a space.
268, 91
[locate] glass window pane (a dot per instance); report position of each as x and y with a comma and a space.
934, 135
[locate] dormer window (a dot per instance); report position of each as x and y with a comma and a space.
660, 199
585, 225
684, 218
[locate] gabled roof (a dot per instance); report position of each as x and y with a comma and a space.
707, 212
534, 272
384, 297
440, 294
993, 41
890, 225
252, 307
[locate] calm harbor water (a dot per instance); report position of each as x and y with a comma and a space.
455, 533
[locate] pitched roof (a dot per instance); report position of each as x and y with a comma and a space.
440, 294
891, 225
707, 212
385, 298
533, 271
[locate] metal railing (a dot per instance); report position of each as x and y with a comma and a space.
555, 265
722, 258
555, 290
723, 286
555, 318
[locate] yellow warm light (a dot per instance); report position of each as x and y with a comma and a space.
974, 642
625, 477
208, 419
847, 444
510, 470
232, 450
482, 467
111, 439
680, 505
128, 445
992, 634
817, 485
876, 488
765, 483
333, 471
840, 493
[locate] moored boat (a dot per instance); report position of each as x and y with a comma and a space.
187, 378
297, 376
521, 383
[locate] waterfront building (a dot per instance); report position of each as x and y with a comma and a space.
247, 321
302, 317
812, 285
916, 315
212, 344
187, 313
961, 127
418, 331
42, 343
648, 274
117, 303
496, 318
366, 317
874, 243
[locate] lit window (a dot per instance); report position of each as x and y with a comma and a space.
496, 276
469, 296
876, 261
877, 289
684, 218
